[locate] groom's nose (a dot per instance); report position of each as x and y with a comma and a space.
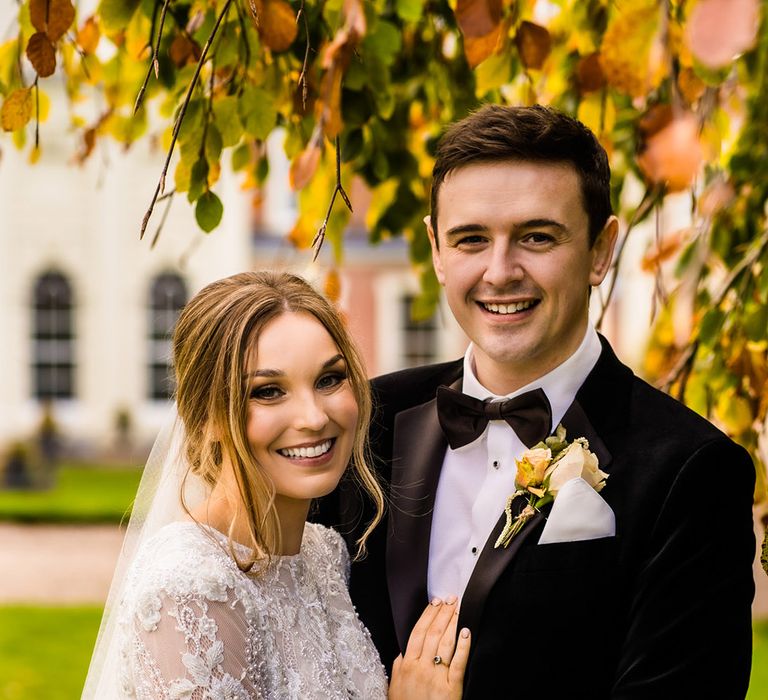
503, 264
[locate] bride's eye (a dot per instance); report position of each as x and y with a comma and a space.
331, 380
269, 392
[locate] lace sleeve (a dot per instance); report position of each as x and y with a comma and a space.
191, 647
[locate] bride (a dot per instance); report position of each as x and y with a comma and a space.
223, 590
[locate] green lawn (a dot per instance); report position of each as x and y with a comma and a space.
82, 494
44, 653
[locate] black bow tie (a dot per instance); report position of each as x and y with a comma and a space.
463, 418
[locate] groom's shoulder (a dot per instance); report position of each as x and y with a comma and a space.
415, 385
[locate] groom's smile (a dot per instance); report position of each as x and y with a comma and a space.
514, 257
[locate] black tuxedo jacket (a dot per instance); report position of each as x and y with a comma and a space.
661, 610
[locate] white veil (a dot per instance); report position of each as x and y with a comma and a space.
157, 503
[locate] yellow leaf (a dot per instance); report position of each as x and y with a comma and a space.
630, 53
34, 155
17, 109
598, 114
734, 412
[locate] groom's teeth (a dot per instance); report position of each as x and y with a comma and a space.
304, 452
508, 308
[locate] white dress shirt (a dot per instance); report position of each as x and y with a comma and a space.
476, 479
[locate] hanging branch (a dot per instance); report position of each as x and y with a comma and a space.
177, 126
685, 363
302, 83
37, 111
80, 53
169, 197
153, 64
317, 241
244, 35
649, 200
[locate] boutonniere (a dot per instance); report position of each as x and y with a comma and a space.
542, 471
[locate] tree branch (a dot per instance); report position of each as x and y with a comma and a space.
153, 64
302, 82
317, 241
649, 200
177, 126
685, 362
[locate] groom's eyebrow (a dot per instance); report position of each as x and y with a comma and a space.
522, 226
279, 373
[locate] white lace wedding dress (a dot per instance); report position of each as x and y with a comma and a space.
192, 626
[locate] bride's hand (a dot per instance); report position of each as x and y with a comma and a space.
433, 665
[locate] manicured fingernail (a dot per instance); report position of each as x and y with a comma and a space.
465, 633
451, 599
436, 601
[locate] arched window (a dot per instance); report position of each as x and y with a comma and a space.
419, 337
53, 338
167, 297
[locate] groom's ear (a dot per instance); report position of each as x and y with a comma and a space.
602, 251
436, 262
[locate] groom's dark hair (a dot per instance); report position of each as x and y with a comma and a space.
496, 133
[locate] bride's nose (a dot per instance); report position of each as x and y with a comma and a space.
310, 414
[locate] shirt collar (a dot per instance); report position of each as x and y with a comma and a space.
560, 384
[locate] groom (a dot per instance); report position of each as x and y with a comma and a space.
642, 590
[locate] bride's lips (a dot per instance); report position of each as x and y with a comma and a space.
314, 453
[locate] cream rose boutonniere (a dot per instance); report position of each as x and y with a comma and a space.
542, 471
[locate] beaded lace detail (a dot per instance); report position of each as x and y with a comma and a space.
194, 627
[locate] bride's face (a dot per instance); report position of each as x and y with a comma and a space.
302, 412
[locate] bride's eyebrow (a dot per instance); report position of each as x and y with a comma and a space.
279, 373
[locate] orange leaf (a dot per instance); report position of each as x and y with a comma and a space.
533, 44
300, 236
54, 17
332, 286
477, 49
674, 154
17, 109
691, 86
183, 51
42, 54
478, 18
88, 35
589, 73
304, 166
61, 14
277, 25
665, 249
37, 14
719, 30
328, 106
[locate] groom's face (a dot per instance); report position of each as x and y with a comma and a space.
514, 257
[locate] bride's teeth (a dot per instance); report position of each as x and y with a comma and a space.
304, 452
508, 308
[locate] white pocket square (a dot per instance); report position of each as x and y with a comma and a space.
578, 513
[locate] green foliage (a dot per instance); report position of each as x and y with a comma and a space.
677, 95
81, 494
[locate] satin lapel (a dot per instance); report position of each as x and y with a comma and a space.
417, 455
490, 564
491, 561
577, 425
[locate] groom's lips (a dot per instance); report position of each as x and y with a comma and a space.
508, 310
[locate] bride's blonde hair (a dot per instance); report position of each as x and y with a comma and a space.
216, 331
